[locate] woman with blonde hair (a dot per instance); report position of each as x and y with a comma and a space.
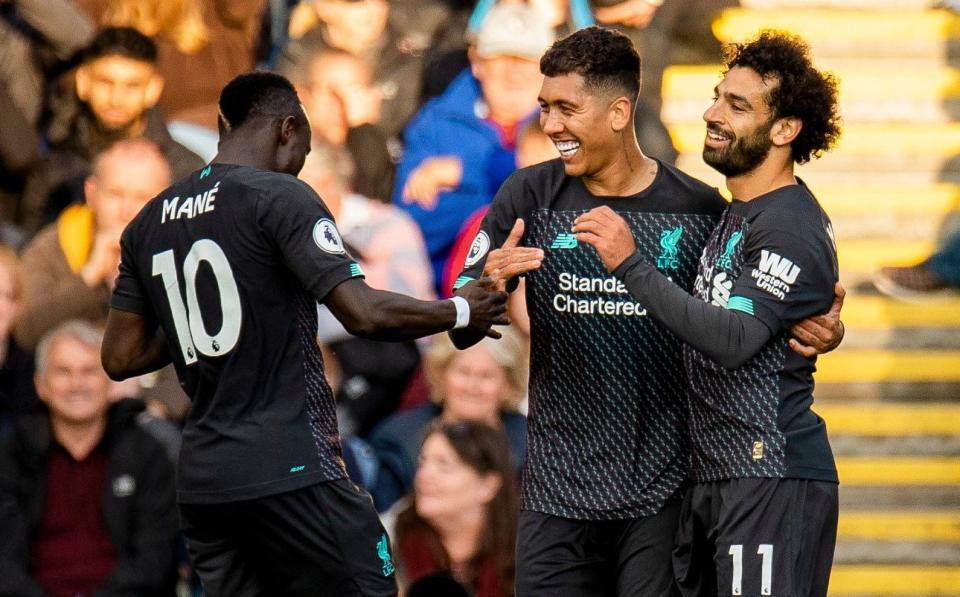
484, 384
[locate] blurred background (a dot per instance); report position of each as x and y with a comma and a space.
420, 109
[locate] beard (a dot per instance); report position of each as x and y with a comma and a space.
741, 155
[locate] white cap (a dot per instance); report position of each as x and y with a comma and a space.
514, 30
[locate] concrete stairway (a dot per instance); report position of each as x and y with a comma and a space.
891, 393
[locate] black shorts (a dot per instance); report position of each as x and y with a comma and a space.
561, 557
757, 537
325, 539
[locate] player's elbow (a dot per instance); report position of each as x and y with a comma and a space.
114, 363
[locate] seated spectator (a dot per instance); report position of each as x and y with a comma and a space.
86, 495
937, 276
364, 29
388, 246
17, 394
461, 146
483, 384
338, 95
202, 45
70, 267
462, 518
118, 85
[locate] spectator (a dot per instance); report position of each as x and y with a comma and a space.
202, 45
364, 29
460, 146
935, 277
344, 108
36, 38
462, 518
659, 28
389, 248
118, 86
86, 495
17, 394
482, 384
69, 268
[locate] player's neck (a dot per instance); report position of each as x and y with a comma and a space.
628, 173
236, 151
769, 176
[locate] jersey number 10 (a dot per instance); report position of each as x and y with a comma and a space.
192, 335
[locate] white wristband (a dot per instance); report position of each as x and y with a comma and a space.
463, 312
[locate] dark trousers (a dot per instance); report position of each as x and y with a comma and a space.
325, 539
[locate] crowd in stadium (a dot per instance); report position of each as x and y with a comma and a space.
419, 111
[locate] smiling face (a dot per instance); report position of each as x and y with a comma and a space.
74, 385
474, 387
739, 123
579, 123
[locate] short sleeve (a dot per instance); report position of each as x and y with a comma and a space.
295, 220
507, 206
788, 273
129, 294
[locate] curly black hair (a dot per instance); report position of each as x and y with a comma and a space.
801, 91
606, 59
256, 94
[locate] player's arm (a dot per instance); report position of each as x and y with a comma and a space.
384, 315
727, 335
132, 345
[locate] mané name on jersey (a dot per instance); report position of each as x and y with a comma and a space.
231, 261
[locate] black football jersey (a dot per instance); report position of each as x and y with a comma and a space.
231, 262
607, 418
774, 258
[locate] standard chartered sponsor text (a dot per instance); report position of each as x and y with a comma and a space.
595, 305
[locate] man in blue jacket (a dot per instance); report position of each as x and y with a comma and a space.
461, 146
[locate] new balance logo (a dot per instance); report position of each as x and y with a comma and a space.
564, 240
778, 266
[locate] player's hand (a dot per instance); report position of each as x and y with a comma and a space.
822, 333
488, 306
432, 177
630, 13
608, 233
103, 264
511, 260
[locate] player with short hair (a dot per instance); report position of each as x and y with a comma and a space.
220, 273
761, 515
607, 446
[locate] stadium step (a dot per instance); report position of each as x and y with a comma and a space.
911, 91
891, 393
898, 33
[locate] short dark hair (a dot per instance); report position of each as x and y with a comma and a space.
121, 41
606, 59
257, 94
801, 91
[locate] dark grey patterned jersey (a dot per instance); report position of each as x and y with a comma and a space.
774, 258
231, 261
606, 435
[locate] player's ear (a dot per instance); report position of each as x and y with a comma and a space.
620, 111
288, 127
785, 130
